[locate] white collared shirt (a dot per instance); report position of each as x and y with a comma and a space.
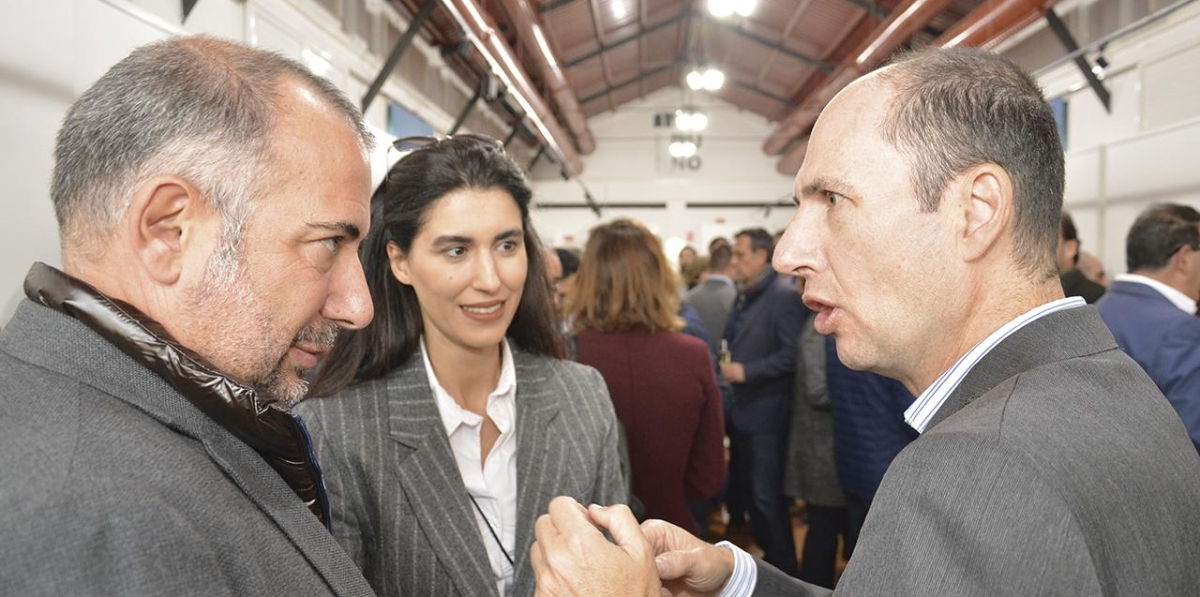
492, 483
922, 411
1177, 298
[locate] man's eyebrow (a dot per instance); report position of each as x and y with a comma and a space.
836, 185
348, 229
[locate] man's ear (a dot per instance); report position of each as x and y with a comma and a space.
164, 217
985, 194
1183, 259
399, 263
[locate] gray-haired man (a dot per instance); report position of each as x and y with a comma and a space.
210, 198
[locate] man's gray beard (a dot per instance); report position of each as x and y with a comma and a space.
285, 395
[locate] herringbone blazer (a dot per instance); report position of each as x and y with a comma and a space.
1055, 468
399, 505
112, 483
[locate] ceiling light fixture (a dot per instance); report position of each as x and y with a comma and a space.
619, 10
690, 120
681, 149
709, 79
726, 8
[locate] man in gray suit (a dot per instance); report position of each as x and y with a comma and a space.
1049, 464
209, 198
713, 297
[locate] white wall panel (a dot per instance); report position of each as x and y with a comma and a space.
1085, 111
1171, 89
1159, 163
50, 52
1082, 177
219, 18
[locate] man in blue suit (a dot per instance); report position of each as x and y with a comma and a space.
762, 331
1151, 310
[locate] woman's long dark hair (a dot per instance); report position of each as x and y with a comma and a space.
398, 211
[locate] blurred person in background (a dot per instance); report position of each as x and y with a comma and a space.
1093, 268
1074, 282
761, 333
811, 473
662, 384
1151, 311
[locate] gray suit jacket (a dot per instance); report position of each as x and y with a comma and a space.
111, 483
713, 300
398, 501
1056, 468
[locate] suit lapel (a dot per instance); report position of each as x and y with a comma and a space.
1062, 335
431, 481
539, 454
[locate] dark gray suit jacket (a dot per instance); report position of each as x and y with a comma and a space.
1055, 468
398, 500
111, 483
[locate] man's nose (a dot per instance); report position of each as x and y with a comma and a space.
798, 251
349, 302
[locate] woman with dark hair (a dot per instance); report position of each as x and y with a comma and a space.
451, 420
663, 383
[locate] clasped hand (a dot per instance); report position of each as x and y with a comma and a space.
572, 558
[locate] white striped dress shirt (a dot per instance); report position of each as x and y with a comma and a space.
745, 573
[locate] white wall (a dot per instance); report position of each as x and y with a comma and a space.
631, 165
50, 51
1143, 152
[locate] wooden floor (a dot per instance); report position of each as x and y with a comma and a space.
719, 530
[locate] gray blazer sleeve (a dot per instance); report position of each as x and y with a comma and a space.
113, 540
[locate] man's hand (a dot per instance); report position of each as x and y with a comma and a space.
734, 372
687, 566
571, 558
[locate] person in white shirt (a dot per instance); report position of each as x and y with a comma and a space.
452, 420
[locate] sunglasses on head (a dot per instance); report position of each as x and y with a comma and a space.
422, 142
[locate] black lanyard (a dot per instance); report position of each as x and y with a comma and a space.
493, 532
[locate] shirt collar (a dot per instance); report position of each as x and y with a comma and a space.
453, 415
931, 400
721, 278
762, 280
1177, 298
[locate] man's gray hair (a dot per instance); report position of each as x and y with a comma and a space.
196, 107
959, 108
